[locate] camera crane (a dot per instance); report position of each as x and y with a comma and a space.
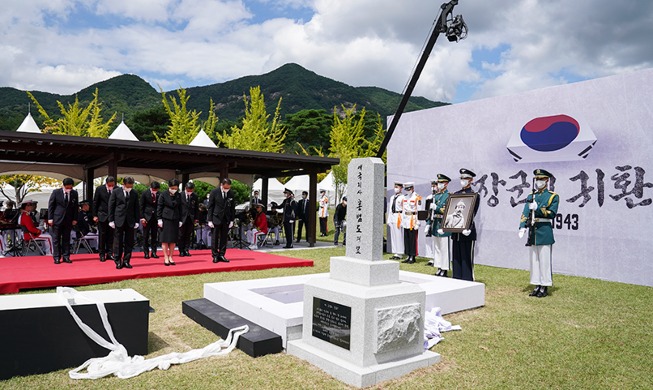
455, 29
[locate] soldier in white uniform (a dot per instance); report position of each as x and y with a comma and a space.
428, 237
440, 240
395, 230
323, 212
409, 221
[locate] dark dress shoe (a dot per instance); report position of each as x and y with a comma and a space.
406, 261
146, 255
110, 257
543, 292
166, 263
535, 292
56, 261
103, 258
67, 260
188, 254
182, 254
127, 265
412, 261
154, 256
430, 263
215, 259
223, 259
277, 242
118, 266
444, 273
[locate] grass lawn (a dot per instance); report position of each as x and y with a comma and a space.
587, 334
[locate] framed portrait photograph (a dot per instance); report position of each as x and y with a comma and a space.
459, 213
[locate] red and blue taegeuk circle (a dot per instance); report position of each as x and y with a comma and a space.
550, 133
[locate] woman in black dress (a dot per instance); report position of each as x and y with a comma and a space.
168, 213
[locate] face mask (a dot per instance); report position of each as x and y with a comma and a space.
441, 186
464, 182
154, 191
67, 191
397, 190
540, 183
109, 187
127, 190
172, 192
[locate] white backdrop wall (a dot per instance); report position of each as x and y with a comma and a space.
606, 216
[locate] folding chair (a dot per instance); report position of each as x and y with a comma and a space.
34, 243
83, 240
262, 239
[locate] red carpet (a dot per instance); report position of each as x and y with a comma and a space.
18, 273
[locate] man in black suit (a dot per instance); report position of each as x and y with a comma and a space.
289, 207
123, 218
302, 215
189, 212
148, 206
62, 216
221, 214
101, 217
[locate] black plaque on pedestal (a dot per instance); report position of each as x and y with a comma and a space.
332, 322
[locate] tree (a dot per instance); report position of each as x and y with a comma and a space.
211, 121
183, 123
256, 133
76, 120
149, 123
24, 184
308, 130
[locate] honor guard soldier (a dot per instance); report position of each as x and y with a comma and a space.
395, 230
440, 240
428, 240
323, 212
539, 213
410, 222
463, 243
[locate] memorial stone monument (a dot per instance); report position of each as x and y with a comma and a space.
361, 324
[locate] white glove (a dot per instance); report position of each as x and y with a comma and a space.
160, 223
291, 221
440, 231
211, 224
136, 225
467, 232
231, 224
433, 206
522, 231
112, 225
426, 229
532, 205
180, 223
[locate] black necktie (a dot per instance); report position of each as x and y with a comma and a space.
394, 201
65, 198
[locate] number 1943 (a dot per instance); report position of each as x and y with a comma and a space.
566, 221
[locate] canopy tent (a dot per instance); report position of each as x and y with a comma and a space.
329, 185
275, 189
28, 125
202, 139
123, 132
297, 184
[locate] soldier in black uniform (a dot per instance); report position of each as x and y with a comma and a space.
462, 250
289, 207
189, 212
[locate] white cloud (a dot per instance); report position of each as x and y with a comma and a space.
362, 42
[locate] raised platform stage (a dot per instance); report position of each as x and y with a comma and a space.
29, 272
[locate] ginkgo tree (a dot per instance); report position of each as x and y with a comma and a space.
257, 131
75, 119
185, 123
24, 184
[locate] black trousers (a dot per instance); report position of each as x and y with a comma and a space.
300, 227
462, 253
289, 232
323, 226
61, 240
123, 243
185, 233
219, 239
410, 242
150, 235
105, 237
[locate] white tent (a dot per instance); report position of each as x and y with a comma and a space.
275, 189
28, 125
329, 185
202, 139
123, 132
297, 184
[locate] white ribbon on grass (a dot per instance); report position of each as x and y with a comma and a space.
434, 326
118, 362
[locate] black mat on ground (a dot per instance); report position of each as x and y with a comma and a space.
258, 341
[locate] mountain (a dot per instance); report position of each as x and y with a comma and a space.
300, 89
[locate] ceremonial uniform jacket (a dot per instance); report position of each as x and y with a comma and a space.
395, 208
547, 208
440, 201
409, 211
324, 207
472, 235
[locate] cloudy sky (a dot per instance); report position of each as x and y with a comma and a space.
63, 46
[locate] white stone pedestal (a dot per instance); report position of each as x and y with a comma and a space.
381, 338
